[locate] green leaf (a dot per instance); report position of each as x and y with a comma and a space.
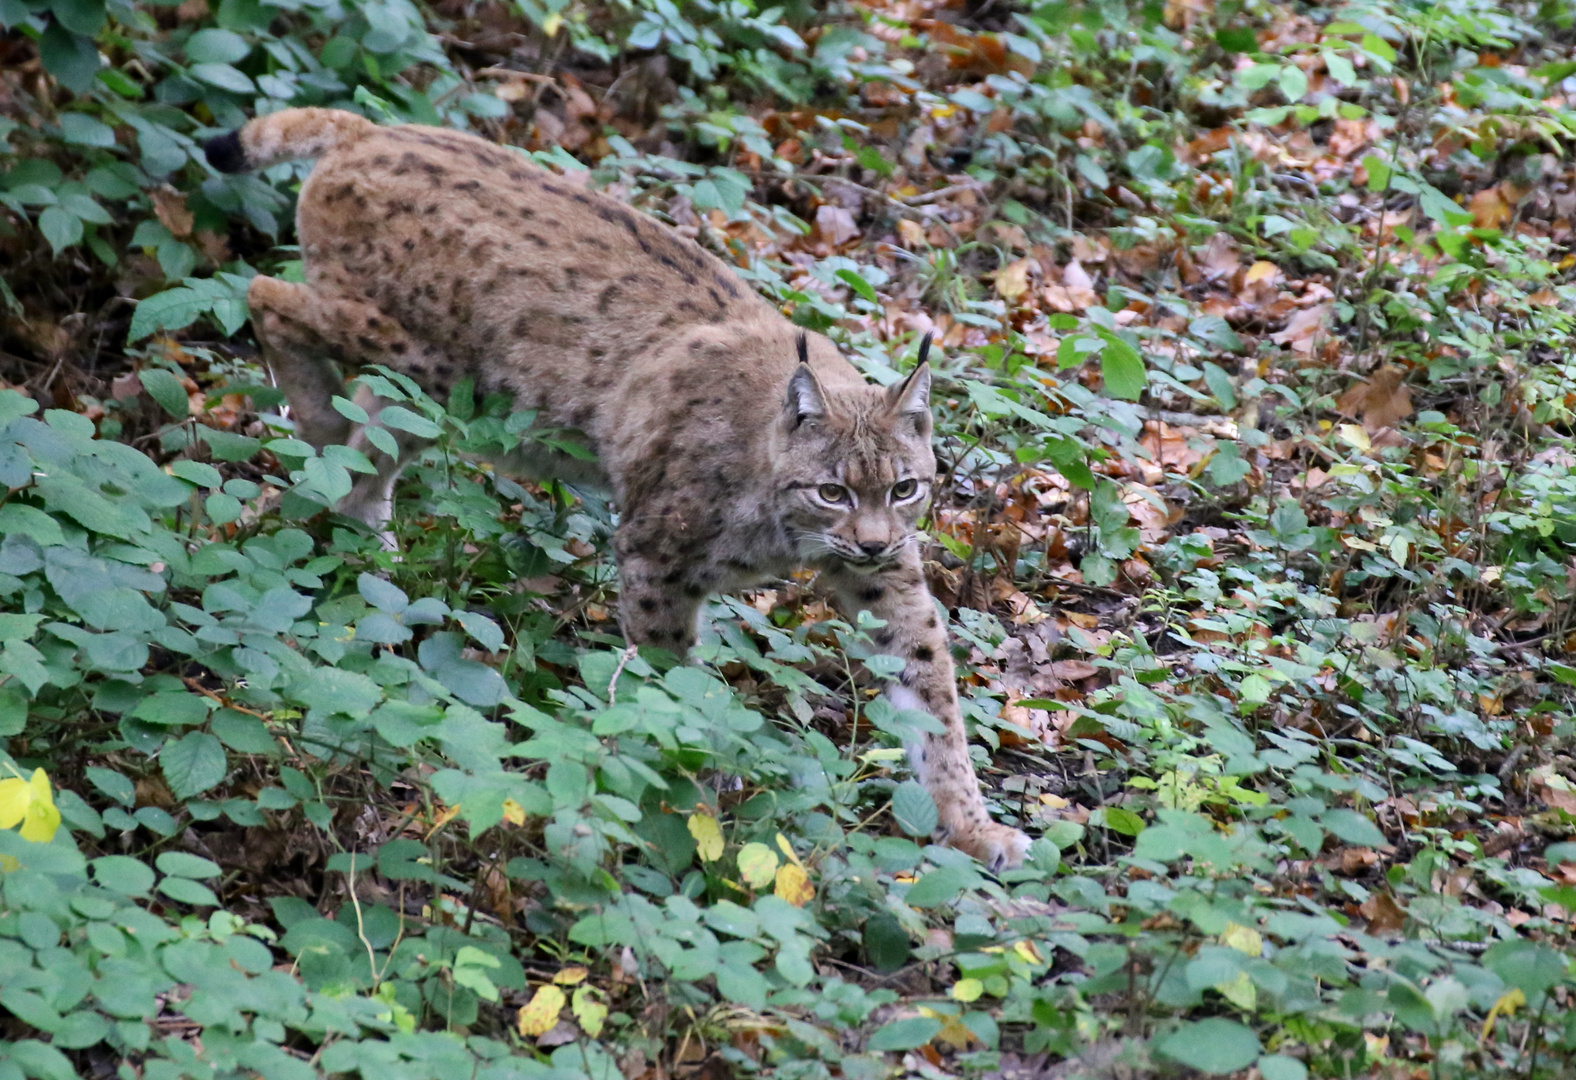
84, 130
71, 58
1123, 370
186, 865
187, 891
193, 764
1281, 1067
227, 446
224, 77
887, 944
1352, 827
860, 286
402, 419
1240, 39
123, 874
1215, 1046
913, 809
383, 595
60, 228
907, 1034
167, 390
85, 17
214, 46
938, 887
173, 309
13, 711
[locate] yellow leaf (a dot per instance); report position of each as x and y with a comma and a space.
1508, 1003
1027, 950
589, 1010
757, 865
538, 1016
952, 1032
513, 812
787, 849
1012, 280
32, 803
1354, 435
708, 836
793, 885
552, 24
445, 816
1240, 991
571, 975
1260, 271
1243, 939
966, 990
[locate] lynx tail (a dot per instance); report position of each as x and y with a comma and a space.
285, 135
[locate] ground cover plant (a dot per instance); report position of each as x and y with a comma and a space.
1258, 538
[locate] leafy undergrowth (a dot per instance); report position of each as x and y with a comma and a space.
1259, 539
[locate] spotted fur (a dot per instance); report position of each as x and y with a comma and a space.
736, 446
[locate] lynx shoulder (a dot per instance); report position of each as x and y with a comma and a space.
736, 446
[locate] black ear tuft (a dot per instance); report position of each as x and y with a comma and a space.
924, 349
803, 345
805, 400
225, 153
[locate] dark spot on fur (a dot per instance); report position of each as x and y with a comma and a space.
409, 245
582, 198
694, 592
468, 185
727, 285
647, 604
924, 654
366, 342
932, 624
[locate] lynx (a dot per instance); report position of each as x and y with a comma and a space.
736, 447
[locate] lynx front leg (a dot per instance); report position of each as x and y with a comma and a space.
913, 631
655, 610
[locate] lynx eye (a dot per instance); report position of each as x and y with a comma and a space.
904, 489
832, 493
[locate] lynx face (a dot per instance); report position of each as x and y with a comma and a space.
857, 468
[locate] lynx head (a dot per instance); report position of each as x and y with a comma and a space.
855, 468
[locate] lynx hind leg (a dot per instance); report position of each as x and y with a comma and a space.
914, 631
302, 329
298, 358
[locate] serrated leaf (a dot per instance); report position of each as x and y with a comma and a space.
914, 809
167, 390
193, 763
173, 309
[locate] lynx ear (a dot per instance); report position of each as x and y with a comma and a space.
805, 399
911, 397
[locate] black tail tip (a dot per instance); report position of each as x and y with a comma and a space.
225, 153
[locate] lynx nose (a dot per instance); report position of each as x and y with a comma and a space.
872, 547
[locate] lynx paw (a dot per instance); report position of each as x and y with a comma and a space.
999, 847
